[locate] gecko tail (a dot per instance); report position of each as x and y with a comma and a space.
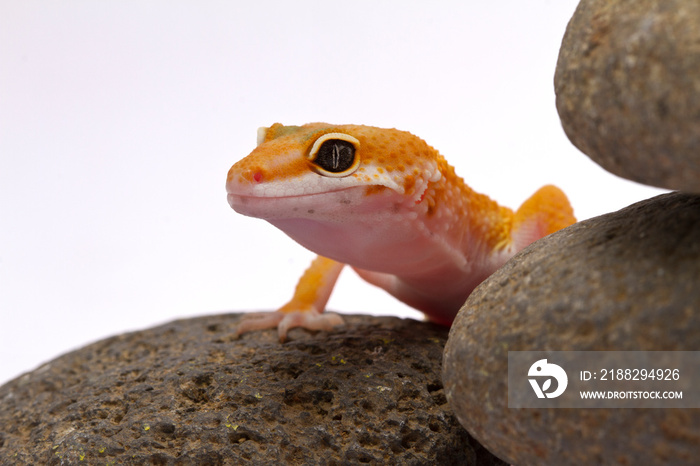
546, 211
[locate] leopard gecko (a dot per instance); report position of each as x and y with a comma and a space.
386, 203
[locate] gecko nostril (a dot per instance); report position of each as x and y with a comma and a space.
257, 176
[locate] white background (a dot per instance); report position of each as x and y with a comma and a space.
119, 121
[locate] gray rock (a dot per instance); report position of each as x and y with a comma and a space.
623, 281
188, 393
628, 88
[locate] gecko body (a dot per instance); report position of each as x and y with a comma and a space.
386, 203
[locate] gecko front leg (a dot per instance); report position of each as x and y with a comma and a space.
306, 308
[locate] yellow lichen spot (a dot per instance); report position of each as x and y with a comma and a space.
258, 396
102, 450
319, 364
386, 341
435, 340
81, 457
369, 375
146, 427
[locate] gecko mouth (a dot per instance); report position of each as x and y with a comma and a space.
300, 205
237, 199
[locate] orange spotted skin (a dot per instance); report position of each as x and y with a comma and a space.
393, 152
396, 153
399, 215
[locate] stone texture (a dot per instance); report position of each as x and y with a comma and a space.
628, 88
623, 281
188, 393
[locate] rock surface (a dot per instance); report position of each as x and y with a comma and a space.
628, 88
188, 393
623, 281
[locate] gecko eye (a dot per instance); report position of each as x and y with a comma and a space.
334, 155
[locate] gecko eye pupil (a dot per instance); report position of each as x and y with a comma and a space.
335, 156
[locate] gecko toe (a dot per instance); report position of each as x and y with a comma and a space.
308, 320
285, 321
259, 321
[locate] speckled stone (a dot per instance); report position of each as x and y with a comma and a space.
623, 281
188, 393
628, 88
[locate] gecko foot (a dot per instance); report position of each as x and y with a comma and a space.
285, 321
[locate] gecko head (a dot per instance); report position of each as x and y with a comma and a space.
324, 171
